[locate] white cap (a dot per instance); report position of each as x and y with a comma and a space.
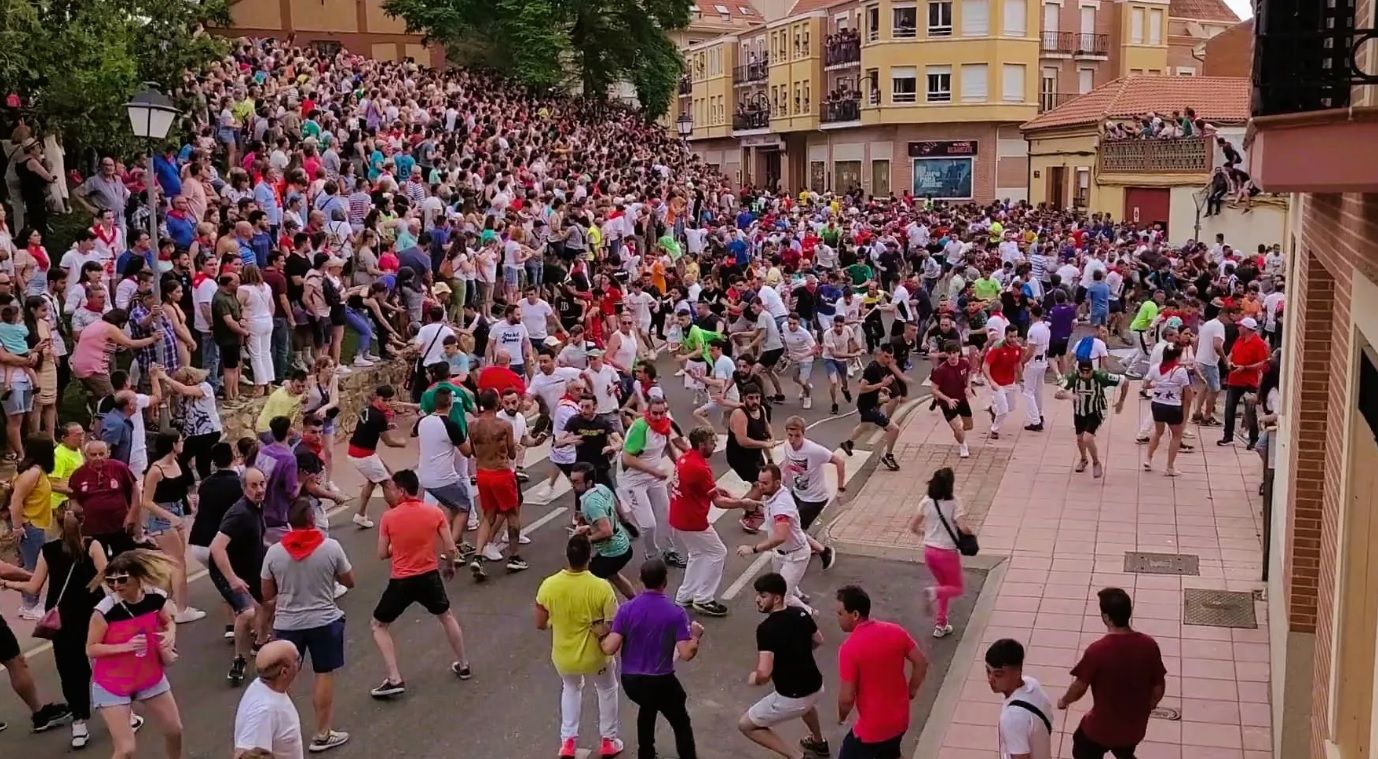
1248, 323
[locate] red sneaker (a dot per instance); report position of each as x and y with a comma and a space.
751, 523
568, 749
610, 747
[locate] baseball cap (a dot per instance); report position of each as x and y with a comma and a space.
1248, 323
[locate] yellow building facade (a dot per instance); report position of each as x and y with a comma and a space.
359, 26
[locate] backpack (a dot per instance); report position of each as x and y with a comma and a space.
1084, 347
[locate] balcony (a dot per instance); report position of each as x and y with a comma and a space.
685, 85
1075, 43
1047, 101
1191, 155
753, 71
847, 108
753, 118
842, 49
908, 32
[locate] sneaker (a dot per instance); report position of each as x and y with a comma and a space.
963, 452
847, 447
523, 540
188, 615
80, 734
328, 741
611, 747
1034, 427
343, 371
568, 749
833, 410
388, 689
363, 522
472, 524
31, 613
522, 476
807, 403
828, 558
890, 463
709, 608
229, 633
236, 674
816, 748
847, 393
1141, 440
461, 670
674, 559
517, 564
778, 398
362, 363
340, 590
492, 552
466, 554
942, 631
135, 722
1229, 441
477, 570
50, 716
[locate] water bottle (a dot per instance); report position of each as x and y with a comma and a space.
143, 653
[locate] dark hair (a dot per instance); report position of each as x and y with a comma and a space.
222, 455
1116, 605
750, 388
302, 514
1005, 652
578, 550
164, 443
772, 583
855, 600
297, 375
941, 483
279, 427
654, 574
584, 469
407, 480
38, 451
487, 399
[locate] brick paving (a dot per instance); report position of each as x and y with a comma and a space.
1064, 536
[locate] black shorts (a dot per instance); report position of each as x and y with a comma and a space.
1087, 424
9, 645
808, 510
229, 356
962, 408
604, 567
1081, 295
1167, 414
1116, 306
854, 748
401, 592
977, 338
238, 600
874, 415
1058, 348
747, 469
771, 357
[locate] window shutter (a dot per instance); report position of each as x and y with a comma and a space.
1016, 18
975, 83
1012, 83
975, 18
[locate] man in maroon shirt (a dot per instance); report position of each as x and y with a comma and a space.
951, 382
104, 487
1125, 673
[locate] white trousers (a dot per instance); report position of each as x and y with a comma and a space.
792, 566
706, 560
259, 345
1034, 373
1002, 403
648, 502
572, 702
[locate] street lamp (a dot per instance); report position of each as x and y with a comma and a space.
685, 126
151, 114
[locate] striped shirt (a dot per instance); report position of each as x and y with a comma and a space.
1088, 393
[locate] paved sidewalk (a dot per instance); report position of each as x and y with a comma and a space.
1065, 536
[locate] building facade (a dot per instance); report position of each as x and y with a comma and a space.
1192, 24
1315, 119
923, 96
359, 26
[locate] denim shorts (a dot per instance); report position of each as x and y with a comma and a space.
20, 400
156, 525
454, 497
511, 275
102, 698
325, 644
1210, 376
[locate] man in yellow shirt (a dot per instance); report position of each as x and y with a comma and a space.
285, 401
578, 609
66, 459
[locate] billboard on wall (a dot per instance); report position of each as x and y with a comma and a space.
943, 168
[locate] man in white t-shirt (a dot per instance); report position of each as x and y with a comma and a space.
1210, 348
536, 316
801, 349
1035, 367
1025, 725
803, 469
266, 718
840, 346
511, 338
550, 382
786, 540
771, 301
438, 442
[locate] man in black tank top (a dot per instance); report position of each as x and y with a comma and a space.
749, 440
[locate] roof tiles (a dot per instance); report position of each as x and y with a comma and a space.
1216, 99
1202, 10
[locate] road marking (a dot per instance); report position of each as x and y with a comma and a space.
562, 483
734, 486
539, 523
747, 576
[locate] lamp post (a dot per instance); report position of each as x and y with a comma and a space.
151, 114
685, 126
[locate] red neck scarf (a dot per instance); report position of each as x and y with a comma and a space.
40, 255
106, 237
659, 426
300, 543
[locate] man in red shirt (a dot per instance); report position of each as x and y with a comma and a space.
499, 376
104, 487
1248, 358
1004, 365
871, 678
951, 383
695, 492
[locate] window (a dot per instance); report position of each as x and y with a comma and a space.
808, 106
1047, 89
1051, 13
873, 86
1136, 26
975, 78
1088, 19
328, 48
1186, 71
903, 84
722, 10
745, 11
807, 47
975, 18
1081, 193
939, 79
1086, 79
904, 20
1155, 27
873, 23
1012, 82
1136, 72
1016, 22
939, 18
880, 178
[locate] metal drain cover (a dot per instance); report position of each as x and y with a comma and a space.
1167, 713
1218, 608
1162, 563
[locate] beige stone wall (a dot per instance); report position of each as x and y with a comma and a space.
355, 390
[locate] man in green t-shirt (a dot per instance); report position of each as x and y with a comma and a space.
861, 273
1142, 327
693, 346
986, 288
439, 375
612, 547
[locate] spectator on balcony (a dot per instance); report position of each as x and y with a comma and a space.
1232, 156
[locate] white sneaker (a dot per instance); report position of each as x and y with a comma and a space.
523, 541
373, 358
963, 452
808, 402
362, 362
343, 370
942, 632
363, 522
340, 590
472, 524
188, 615
31, 613
493, 551
80, 735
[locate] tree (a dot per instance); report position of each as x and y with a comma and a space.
74, 63
590, 44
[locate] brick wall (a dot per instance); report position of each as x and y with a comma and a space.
1230, 53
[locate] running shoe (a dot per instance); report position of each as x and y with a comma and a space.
477, 570
493, 552
135, 722
522, 476
188, 615
963, 452
674, 559
833, 410
517, 564
610, 747
340, 590
815, 748
847, 447
236, 674
80, 734
942, 631
828, 557
807, 403
388, 689
890, 463
778, 398
847, 393
50, 716
466, 554
30, 613
568, 749
229, 633
709, 608
363, 522
328, 741
461, 670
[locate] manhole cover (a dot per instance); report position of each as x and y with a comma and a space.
1162, 563
1166, 713
1218, 608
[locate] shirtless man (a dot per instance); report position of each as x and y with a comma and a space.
494, 448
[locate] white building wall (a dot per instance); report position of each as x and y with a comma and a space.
1265, 224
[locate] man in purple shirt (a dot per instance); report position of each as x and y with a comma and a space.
648, 630
1061, 318
279, 467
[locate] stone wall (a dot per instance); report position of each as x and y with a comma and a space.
355, 390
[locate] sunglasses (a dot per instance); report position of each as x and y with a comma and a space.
114, 580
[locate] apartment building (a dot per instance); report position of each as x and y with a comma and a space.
359, 26
1315, 120
1193, 23
924, 96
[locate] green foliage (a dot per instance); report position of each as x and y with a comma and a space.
76, 62
549, 43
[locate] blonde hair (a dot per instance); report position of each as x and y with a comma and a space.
249, 275
190, 375
151, 568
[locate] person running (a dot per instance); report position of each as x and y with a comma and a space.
1001, 368
374, 425
651, 633
803, 465
871, 678
749, 439
603, 527
236, 564
165, 507
1025, 725
495, 452
840, 348
801, 348
785, 642
1037, 345
1171, 386
407, 536
951, 386
787, 541
299, 576
937, 523
695, 493
1086, 387
874, 393
718, 383
578, 608
439, 441
643, 485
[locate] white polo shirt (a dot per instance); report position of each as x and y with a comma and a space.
1021, 731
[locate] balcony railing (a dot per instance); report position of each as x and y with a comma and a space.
904, 32
841, 48
756, 71
1075, 43
1047, 101
904, 97
846, 109
685, 85
1092, 44
755, 118
1307, 56
1190, 155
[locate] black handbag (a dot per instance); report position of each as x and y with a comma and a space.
966, 542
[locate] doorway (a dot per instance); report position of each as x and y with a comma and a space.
1057, 187
846, 176
772, 169
1147, 206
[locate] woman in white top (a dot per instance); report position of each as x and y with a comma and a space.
256, 298
937, 523
193, 404
1171, 386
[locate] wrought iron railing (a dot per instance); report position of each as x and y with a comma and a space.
848, 109
1092, 44
685, 85
755, 71
840, 49
1188, 155
1074, 43
756, 118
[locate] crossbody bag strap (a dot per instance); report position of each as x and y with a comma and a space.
1022, 704
951, 533
62, 593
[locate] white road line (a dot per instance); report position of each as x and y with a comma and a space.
746, 577
543, 521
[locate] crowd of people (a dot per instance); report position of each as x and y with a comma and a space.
531, 257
